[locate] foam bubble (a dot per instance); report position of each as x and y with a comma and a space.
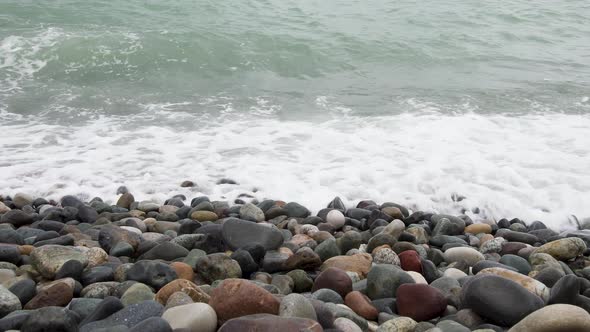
534, 167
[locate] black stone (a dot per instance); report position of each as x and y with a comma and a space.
51, 319
16, 218
10, 254
167, 251
151, 273
48, 234
152, 324
499, 300
337, 204
24, 289
128, 316
197, 200
64, 240
237, 233
11, 236
188, 226
183, 212
14, 320
296, 210
213, 242
108, 306
97, 274
246, 262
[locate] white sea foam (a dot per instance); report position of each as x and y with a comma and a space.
534, 167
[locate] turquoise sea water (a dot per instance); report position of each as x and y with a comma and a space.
392, 100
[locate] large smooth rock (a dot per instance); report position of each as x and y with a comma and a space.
534, 286
556, 317
420, 302
128, 316
238, 233
270, 323
16, 218
499, 300
383, 281
50, 319
237, 297
48, 259
193, 317
563, 249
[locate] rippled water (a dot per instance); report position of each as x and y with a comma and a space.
302, 100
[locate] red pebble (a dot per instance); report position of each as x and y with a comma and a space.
410, 261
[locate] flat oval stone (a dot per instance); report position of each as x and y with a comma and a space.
420, 302
358, 263
563, 249
197, 317
534, 286
556, 317
467, 255
238, 233
237, 297
500, 300
335, 279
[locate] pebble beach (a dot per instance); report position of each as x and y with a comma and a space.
193, 264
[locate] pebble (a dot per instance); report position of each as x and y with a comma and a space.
193, 317
236, 297
239, 233
563, 249
499, 300
8, 302
128, 316
269, 323
334, 279
400, 324
358, 263
50, 319
467, 255
367, 268
383, 281
137, 293
296, 306
47, 260
336, 219
420, 302
361, 305
152, 273
555, 317
530, 284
